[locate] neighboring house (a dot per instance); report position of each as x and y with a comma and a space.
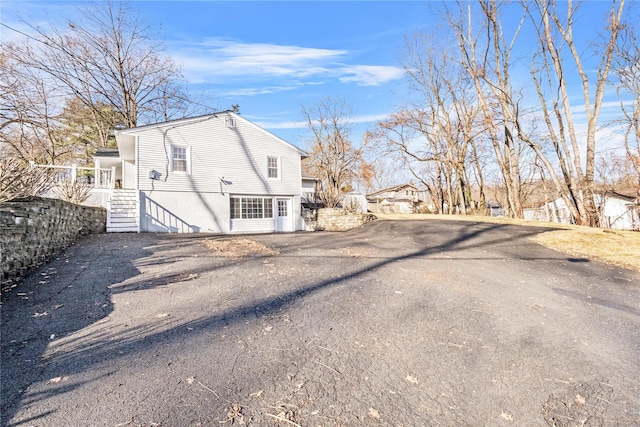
617, 211
215, 173
620, 211
398, 199
494, 209
554, 211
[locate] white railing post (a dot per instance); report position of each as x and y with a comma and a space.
138, 210
74, 172
112, 183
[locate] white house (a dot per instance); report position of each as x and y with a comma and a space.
554, 211
214, 173
617, 211
620, 211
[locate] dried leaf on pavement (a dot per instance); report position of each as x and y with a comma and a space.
412, 380
57, 380
238, 248
373, 413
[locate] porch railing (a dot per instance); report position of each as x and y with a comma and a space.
99, 178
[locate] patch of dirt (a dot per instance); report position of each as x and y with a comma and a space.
583, 404
359, 252
239, 248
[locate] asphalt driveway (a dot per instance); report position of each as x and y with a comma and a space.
397, 323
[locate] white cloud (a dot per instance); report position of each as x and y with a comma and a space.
370, 118
217, 60
253, 91
371, 75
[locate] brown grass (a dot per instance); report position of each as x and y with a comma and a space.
621, 248
239, 248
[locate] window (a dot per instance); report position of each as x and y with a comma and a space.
235, 204
273, 167
251, 207
283, 208
179, 159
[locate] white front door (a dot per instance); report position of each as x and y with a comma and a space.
284, 220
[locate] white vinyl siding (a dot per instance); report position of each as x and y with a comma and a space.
220, 159
221, 163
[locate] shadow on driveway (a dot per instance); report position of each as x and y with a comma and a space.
77, 288
69, 293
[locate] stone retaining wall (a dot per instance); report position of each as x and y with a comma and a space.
34, 228
341, 220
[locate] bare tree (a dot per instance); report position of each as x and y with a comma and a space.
72, 191
107, 57
406, 138
486, 57
333, 159
627, 70
29, 110
436, 137
557, 55
18, 179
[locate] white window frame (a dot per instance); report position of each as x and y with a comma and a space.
187, 159
270, 168
251, 208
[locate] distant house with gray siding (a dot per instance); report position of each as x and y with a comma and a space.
215, 173
397, 199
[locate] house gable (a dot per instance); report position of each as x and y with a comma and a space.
210, 154
398, 192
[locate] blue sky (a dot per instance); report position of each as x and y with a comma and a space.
272, 57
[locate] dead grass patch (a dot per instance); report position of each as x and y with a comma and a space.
620, 248
239, 248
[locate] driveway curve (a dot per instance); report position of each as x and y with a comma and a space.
396, 323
